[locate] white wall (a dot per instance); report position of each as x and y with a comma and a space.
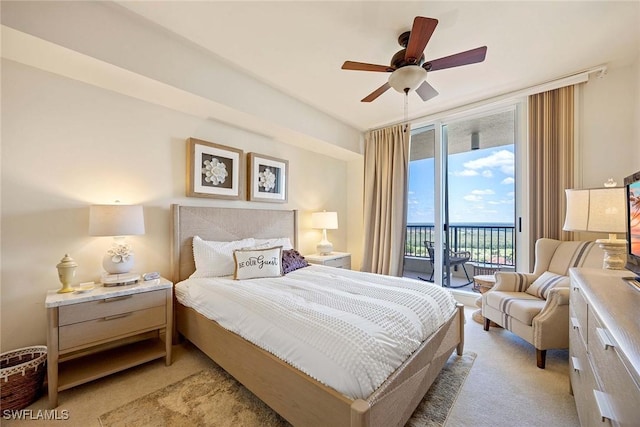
67, 145
609, 138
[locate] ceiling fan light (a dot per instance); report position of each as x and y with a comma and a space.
408, 77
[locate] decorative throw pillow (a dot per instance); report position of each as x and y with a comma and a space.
292, 260
256, 263
285, 242
215, 259
542, 285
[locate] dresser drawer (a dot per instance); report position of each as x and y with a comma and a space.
619, 391
91, 310
578, 312
110, 326
583, 380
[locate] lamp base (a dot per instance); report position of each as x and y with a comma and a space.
117, 267
325, 247
615, 253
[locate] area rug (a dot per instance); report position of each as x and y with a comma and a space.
213, 398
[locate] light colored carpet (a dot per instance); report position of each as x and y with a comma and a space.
213, 398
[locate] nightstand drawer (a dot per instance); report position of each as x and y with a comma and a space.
343, 262
82, 312
334, 259
110, 326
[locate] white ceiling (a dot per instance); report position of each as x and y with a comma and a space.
298, 47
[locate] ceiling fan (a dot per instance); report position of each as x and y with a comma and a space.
409, 69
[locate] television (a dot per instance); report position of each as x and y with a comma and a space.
632, 186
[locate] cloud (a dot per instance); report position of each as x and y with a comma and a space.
501, 202
503, 160
508, 181
472, 198
487, 173
483, 192
466, 172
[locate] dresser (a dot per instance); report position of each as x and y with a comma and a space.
105, 330
334, 259
604, 347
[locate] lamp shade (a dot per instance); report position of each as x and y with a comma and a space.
116, 220
324, 220
600, 210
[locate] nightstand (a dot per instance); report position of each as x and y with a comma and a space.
334, 259
106, 330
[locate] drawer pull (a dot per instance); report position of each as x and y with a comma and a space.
575, 323
120, 298
575, 362
604, 405
605, 339
116, 316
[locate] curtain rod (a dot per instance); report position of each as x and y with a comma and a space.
571, 79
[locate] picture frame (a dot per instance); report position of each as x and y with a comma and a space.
214, 170
267, 178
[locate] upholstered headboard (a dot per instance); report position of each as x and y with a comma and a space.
223, 224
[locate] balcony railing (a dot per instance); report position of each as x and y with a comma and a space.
493, 244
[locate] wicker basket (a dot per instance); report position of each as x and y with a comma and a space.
21, 376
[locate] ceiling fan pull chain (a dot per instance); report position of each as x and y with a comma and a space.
406, 109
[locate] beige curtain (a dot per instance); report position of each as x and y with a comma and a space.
551, 161
386, 162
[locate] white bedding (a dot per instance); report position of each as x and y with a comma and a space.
347, 329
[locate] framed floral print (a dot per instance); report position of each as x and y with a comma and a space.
214, 170
268, 178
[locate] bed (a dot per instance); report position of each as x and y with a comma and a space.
300, 399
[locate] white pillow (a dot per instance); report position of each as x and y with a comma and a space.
256, 263
285, 242
542, 285
215, 259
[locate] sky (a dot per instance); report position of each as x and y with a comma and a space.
481, 187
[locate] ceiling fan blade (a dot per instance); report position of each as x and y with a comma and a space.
463, 58
376, 93
426, 91
361, 66
421, 32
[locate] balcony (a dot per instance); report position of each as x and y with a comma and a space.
488, 244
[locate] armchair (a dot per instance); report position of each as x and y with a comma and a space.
535, 306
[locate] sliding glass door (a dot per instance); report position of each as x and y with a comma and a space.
462, 205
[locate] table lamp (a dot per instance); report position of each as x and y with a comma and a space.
117, 221
600, 210
325, 221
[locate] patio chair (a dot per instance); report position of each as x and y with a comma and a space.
455, 259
